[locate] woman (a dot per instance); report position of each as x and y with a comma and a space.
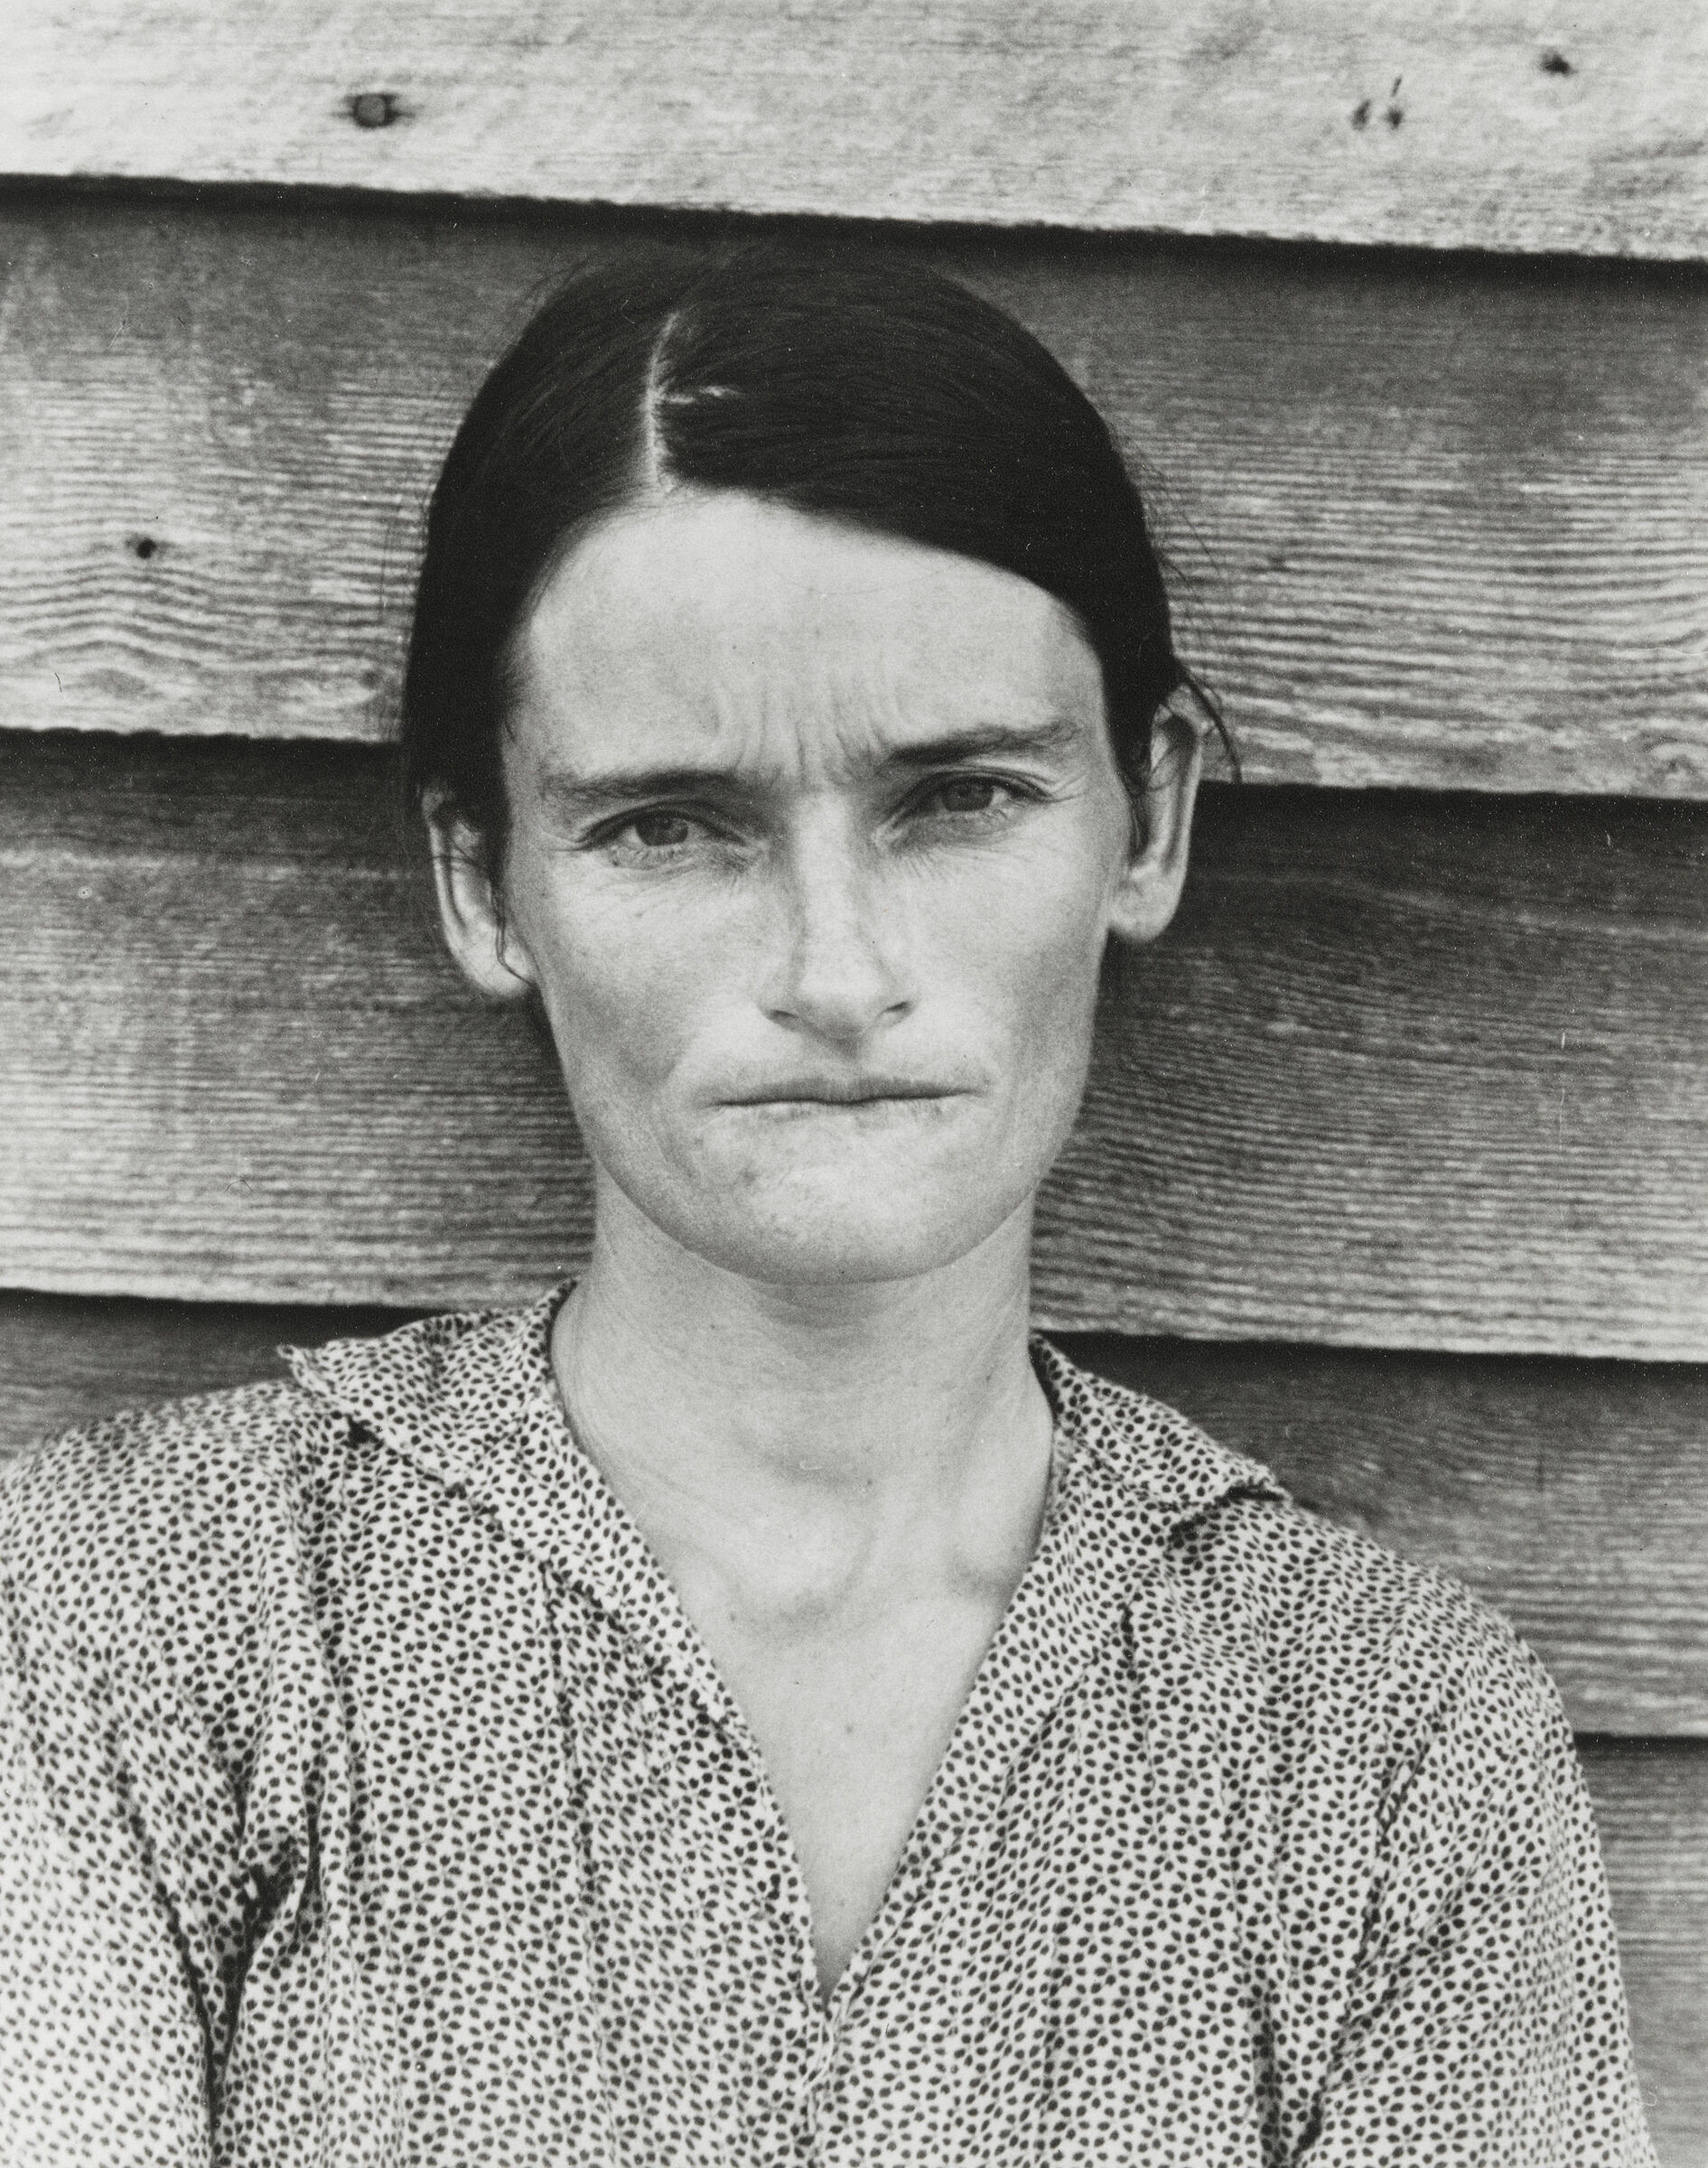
755, 1706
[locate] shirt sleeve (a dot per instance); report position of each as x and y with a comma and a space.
102, 2061
1488, 2020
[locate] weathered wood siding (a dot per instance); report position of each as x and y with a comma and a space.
1504, 125
1652, 1805
1437, 528
1393, 1170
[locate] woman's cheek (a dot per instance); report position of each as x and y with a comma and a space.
1054, 997
631, 987
1041, 935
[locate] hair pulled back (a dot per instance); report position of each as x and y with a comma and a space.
879, 394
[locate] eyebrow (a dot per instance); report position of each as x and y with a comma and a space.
582, 795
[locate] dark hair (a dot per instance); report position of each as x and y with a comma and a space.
877, 392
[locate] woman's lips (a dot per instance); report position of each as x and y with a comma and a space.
841, 1091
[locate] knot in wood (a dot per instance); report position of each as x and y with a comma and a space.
373, 108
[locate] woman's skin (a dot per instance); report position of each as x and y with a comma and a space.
816, 841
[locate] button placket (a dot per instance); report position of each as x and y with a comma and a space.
821, 2068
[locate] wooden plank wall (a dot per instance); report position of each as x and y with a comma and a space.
1392, 1168
1440, 523
1505, 124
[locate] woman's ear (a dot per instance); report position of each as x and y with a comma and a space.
470, 911
1149, 889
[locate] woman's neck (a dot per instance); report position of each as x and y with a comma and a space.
810, 1445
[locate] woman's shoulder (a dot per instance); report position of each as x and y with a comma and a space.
1331, 1618
187, 1489
1342, 1625
188, 1501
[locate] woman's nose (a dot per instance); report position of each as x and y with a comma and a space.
839, 973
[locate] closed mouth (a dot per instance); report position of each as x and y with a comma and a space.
825, 1091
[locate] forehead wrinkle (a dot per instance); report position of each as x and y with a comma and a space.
864, 724
785, 714
849, 714
778, 747
797, 670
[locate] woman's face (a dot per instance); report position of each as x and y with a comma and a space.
816, 839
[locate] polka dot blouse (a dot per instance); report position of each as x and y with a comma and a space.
366, 1796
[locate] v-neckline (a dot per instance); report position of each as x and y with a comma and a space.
1066, 1602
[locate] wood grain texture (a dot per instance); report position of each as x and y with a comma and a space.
1409, 1071
1507, 125
1453, 1462
1572, 1495
1651, 1801
1434, 526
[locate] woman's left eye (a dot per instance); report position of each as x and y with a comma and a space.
964, 794
661, 831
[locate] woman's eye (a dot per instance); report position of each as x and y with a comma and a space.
963, 794
660, 831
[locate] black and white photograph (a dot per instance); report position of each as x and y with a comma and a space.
854, 1077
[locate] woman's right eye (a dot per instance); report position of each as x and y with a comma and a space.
663, 835
659, 831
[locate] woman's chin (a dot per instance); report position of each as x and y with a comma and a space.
840, 1256
840, 1232
790, 1200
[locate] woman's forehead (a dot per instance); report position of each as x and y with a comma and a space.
707, 619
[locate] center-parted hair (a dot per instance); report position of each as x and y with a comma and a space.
876, 393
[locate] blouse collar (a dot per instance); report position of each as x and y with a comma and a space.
471, 1399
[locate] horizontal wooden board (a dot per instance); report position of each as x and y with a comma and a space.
1409, 1071
1438, 525
1651, 1801
1506, 126
1572, 1495
1515, 1474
